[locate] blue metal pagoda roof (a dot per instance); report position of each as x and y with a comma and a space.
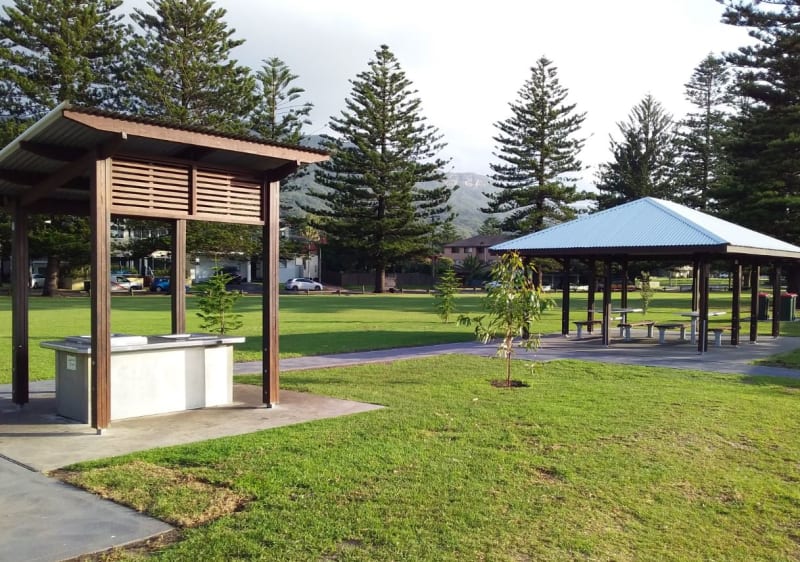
648, 227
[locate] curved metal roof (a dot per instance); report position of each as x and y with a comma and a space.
648, 227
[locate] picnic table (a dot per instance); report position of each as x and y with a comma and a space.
693, 316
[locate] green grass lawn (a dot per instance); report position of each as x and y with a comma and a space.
310, 324
591, 462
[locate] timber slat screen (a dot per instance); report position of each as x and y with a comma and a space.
168, 190
228, 194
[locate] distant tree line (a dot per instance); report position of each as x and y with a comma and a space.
734, 154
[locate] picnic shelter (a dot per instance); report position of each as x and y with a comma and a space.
100, 164
654, 229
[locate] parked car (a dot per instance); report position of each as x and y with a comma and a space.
302, 284
37, 281
233, 271
162, 285
120, 283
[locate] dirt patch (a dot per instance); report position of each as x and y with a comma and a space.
503, 383
169, 494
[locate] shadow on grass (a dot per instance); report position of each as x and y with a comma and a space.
764, 380
323, 343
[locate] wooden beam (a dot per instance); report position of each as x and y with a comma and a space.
623, 301
196, 138
755, 274
70, 171
283, 171
607, 303
776, 299
20, 375
22, 177
590, 297
52, 151
178, 277
703, 274
270, 373
736, 309
565, 298
101, 294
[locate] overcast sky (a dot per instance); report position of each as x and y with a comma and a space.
469, 59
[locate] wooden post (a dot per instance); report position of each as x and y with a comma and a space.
100, 200
607, 303
20, 374
776, 299
704, 272
736, 309
624, 289
590, 297
695, 288
270, 375
755, 274
178, 276
565, 298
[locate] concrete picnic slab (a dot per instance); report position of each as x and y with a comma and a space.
46, 520
37, 438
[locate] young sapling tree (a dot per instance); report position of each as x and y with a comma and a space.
445, 294
216, 305
513, 305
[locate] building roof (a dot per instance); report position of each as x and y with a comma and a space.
648, 227
480, 241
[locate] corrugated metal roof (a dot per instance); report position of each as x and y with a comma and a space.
648, 223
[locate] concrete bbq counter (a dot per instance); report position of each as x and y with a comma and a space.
149, 374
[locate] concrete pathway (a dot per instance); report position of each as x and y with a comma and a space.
45, 520
641, 351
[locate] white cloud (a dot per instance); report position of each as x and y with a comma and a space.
468, 60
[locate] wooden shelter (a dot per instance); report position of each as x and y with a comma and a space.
653, 229
83, 161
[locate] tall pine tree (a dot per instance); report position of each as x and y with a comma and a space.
701, 135
60, 50
373, 206
643, 162
185, 72
764, 190
280, 114
538, 148
54, 51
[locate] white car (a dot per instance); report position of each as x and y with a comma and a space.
120, 283
37, 281
302, 284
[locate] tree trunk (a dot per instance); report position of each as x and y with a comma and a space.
50, 288
380, 278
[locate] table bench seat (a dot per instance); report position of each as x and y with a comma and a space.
718, 331
581, 324
664, 326
626, 327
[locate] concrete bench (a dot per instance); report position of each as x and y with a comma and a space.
581, 324
718, 331
664, 326
627, 328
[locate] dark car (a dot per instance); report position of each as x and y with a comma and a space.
162, 285
233, 272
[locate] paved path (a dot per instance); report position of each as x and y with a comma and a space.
725, 359
45, 520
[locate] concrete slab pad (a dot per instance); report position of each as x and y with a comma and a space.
36, 437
